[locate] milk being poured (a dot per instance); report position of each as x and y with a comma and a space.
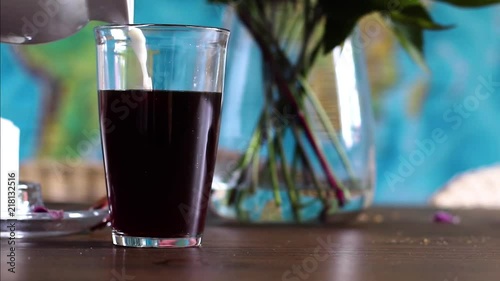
138, 43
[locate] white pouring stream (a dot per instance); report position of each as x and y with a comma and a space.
138, 44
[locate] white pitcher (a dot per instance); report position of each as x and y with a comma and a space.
41, 21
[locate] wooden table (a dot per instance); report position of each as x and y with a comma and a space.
384, 245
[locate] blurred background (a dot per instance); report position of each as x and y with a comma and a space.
49, 91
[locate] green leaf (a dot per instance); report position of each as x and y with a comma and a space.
417, 15
410, 37
336, 31
346, 10
392, 5
341, 20
470, 3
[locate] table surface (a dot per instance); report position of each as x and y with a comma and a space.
383, 244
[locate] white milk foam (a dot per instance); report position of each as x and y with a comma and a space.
138, 43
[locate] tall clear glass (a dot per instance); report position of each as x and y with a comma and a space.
160, 97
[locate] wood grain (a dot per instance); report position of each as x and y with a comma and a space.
383, 245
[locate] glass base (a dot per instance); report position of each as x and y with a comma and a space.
120, 239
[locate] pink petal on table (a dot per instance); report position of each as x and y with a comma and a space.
40, 209
445, 217
55, 214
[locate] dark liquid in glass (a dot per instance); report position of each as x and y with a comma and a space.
159, 151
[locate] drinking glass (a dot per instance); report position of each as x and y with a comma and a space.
159, 123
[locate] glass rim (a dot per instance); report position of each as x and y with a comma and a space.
159, 25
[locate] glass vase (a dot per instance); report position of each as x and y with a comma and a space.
294, 148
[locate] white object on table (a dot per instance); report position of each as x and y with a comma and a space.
479, 188
9, 163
